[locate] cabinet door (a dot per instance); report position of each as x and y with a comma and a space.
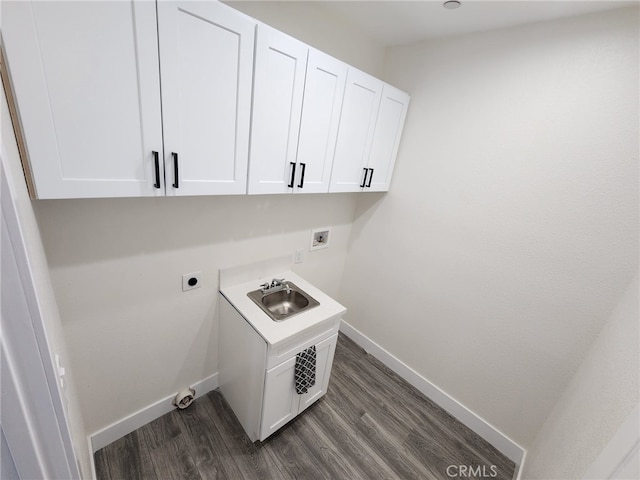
323, 94
86, 82
355, 134
280, 398
206, 63
324, 361
280, 67
386, 138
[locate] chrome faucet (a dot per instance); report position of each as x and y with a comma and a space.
276, 285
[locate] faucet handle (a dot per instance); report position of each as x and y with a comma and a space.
265, 286
277, 282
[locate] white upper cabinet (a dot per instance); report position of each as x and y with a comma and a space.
85, 78
298, 94
323, 94
206, 64
371, 125
280, 66
355, 135
386, 138
139, 98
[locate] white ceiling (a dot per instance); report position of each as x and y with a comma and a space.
401, 22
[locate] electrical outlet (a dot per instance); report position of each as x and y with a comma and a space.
191, 281
299, 255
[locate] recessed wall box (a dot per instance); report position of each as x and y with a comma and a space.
320, 238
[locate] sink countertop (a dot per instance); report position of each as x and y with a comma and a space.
275, 332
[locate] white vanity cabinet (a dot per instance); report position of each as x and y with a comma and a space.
86, 78
371, 124
296, 111
257, 358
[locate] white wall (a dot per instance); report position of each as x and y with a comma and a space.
117, 267
42, 281
600, 396
134, 337
314, 25
511, 227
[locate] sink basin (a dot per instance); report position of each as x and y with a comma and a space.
280, 305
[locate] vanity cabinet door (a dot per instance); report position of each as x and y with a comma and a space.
279, 76
206, 64
324, 361
386, 138
280, 398
355, 134
85, 79
281, 402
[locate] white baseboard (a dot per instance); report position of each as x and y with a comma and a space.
621, 450
495, 437
132, 422
92, 460
517, 475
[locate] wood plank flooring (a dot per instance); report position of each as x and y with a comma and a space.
371, 424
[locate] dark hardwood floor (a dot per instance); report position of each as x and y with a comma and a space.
371, 424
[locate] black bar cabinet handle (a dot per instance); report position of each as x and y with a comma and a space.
156, 161
293, 174
370, 178
364, 180
176, 184
304, 169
